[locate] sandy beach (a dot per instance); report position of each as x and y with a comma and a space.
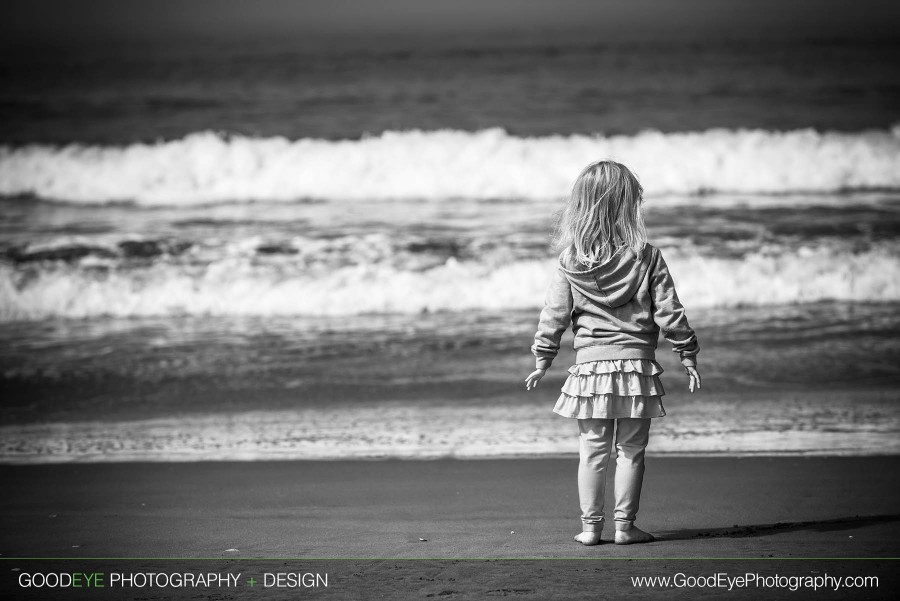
364, 523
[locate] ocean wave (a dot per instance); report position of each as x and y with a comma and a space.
277, 284
206, 167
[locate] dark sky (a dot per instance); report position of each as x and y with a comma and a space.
39, 20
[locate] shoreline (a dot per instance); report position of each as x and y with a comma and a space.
483, 421
271, 458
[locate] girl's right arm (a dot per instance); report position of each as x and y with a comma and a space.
555, 319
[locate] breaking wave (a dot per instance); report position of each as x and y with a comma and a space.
206, 167
101, 285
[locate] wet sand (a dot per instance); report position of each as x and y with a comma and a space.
363, 522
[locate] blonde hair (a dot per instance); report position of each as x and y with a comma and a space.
603, 214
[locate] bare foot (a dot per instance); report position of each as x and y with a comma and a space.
588, 539
633, 535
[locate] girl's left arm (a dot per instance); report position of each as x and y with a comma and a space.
555, 319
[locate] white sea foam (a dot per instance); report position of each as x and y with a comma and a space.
491, 164
243, 285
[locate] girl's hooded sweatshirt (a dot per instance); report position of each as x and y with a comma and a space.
617, 310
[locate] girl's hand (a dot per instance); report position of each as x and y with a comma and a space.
533, 378
694, 375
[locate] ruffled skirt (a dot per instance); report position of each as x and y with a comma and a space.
612, 389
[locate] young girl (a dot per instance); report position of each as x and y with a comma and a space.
616, 291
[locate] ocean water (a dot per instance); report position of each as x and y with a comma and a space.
277, 251
343, 89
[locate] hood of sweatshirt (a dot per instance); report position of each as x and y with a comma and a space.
612, 283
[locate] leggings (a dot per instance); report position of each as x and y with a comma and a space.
596, 441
